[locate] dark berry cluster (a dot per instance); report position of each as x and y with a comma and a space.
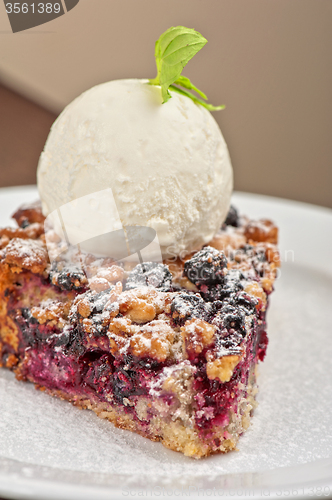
126, 383
186, 306
99, 300
257, 257
231, 328
29, 327
150, 274
232, 218
24, 223
206, 267
230, 319
69, 277
231, 285
243, 301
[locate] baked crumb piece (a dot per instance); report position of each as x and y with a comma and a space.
25, 254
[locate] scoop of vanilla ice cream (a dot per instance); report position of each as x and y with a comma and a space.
167, 164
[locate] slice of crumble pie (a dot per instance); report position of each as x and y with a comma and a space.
165, 350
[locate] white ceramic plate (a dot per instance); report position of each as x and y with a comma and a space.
49, 449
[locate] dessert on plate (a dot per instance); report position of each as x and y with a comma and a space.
133, 288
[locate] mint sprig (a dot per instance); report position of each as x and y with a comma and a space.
173, 50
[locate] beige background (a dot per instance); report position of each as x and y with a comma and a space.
269, 61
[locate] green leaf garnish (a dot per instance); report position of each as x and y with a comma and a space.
173, 51
186, 83
206, 105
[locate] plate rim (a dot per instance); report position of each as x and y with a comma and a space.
23, 481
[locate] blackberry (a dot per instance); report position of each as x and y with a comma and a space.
245, 301
75, 343
213, 293
150, 274
257, 257
33, 333
233, 318
99, 300
231, 343
248, 249
231, 285
255, 253
125, 384
206, 267
233, 278
29, 327
63, 338
26, 314
97, 367
97, 326
24, 223
68, 278
230, 321
185, 306
232, 218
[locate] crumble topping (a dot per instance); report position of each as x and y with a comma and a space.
154, 340
105, 277
28, 214
142, 305
222, 368
261, 230
32, 231
197, 335
228, 239
52, 312
25, 254
219, 289
186, 333
185, 306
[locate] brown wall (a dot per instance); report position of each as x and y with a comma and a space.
269, 61
23, 131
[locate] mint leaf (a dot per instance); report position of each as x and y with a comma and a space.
186, 83
206, 105
173, 51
